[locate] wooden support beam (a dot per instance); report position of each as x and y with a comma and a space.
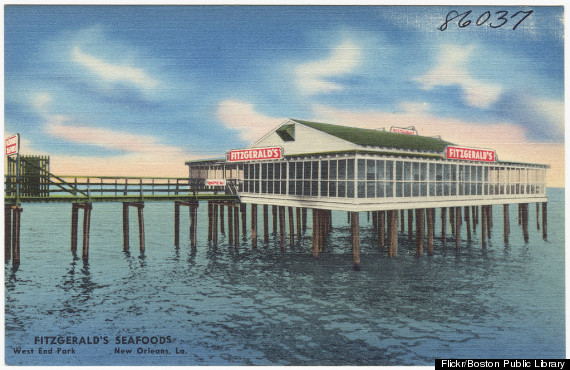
243, 209
468, 222
298, 219
265, 223
483, 226
215, 223
282, 227
291, 227
519, 217
231, 228
443, 225
16, 211
355, 241
393, 242
74, 227
274, 214
474, 217
86, 225
419, 232
315, 233
176, 225
254, 225
304, 219
430, 230
544, 220
489, 218
236, 226
506, 223
537, 207
410, 223
374, 220
452, 219
194, 225
222, 225
7, 233
524, 211
209, 221
402, 223
457, 215
140, 208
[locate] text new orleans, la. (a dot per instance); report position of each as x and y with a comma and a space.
544, 364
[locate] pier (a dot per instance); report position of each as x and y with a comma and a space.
379, 174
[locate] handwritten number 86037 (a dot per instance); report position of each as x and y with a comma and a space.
496, 20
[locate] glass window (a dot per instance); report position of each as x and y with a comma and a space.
389, 189
432, 171
399, 172
399, 188
324, 188
324, 170
423, 171
379, 189
407, 171
283, 170
264, 171
423, 189
291, 187
314, 188
299, 186
416, 171
270, 187
315, 170
307, 170
350, 189
379, 170
370, 168
245, 171
389, 170
291, 170
299, 170
416, 189
332, 170
341, 169
361, 188
332, 188
361, 169
342, 188
350, 169
370, 189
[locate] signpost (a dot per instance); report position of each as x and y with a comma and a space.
255, 154
12, 145
470, 154
215, 182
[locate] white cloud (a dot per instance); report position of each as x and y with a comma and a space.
451, 70
40, 101
113, 72
311, 77
243, 117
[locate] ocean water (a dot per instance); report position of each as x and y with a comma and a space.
218, 305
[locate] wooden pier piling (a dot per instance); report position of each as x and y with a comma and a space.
410, 223
402, 223
468, 222
140, 207
506, 223
443, 225
381, 228
483, 226
215, 223
393, 233
474, 217
452, 220
194, 224
176, 224
274, 218
298, 219
544, 220
419, 231
430, 230
86, 226
489, 218
74, 222
16, 211
231, 229
209, 221
524, 212
355, 241
265, 223
236, 226
7, 233
457, 215
222, 226
291, 227
282, 227
304, 219
243, 211
315, 233
254, 225
537, 207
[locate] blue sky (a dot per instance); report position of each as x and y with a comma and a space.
141, 89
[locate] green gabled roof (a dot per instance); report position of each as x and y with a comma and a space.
385, 139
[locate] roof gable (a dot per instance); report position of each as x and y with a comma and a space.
385, 139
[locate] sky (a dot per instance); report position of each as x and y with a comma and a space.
139, 90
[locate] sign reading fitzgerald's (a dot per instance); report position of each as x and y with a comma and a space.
255, 154
12, 144
470, 154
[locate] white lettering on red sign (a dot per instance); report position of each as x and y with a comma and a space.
215, 182
256, 154
12, 144
470, 154
406, 131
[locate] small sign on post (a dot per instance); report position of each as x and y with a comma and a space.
12, 145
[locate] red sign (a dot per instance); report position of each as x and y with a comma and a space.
255, 154
12, 144
215, 182
470, 154
400, 130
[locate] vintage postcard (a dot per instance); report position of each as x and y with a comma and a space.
284, 185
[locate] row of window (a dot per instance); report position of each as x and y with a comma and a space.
387, 178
